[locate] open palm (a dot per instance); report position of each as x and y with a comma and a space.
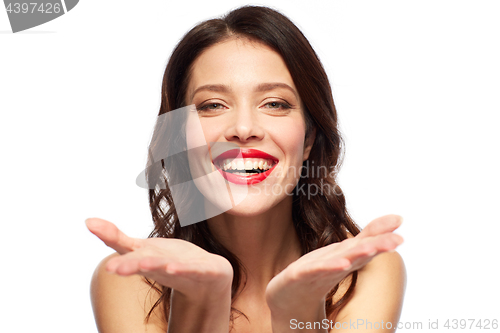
313, 275
174, 263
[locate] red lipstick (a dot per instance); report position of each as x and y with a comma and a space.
245, 153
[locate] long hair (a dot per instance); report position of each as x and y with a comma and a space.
319, 220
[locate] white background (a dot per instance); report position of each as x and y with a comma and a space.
416, 85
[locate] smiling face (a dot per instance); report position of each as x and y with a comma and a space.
245, 95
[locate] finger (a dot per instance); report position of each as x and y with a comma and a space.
116, 261
113, 263
381, 225
112, 236
193, 270
335, 264
387, 242
359, 251
155, 264
375, 245
128, 267
184, 268
134, 262
163, 270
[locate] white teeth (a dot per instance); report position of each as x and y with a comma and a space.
248, 165
245, 164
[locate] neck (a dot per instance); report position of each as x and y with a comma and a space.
265, 244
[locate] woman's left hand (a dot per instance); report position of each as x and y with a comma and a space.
305, 282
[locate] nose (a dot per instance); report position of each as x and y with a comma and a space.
244, 126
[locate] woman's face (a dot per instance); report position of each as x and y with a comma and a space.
245, 97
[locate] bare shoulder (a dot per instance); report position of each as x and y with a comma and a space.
379, 291
386, 264
384, 270
121, 303
387, 273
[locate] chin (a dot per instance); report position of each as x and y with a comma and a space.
249, 208
252, 206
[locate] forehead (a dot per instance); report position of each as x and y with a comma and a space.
239, 63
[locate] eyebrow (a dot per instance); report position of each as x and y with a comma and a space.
263, 87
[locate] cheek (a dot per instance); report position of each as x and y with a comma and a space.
212, 129
194, 131
290, 137
199, 132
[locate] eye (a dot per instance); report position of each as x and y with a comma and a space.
277, 105
210, 106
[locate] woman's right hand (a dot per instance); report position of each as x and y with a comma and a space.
175, 263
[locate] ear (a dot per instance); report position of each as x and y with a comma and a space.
309, 143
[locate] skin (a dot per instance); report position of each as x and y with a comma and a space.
281, 285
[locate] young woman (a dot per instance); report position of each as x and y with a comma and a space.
287, 257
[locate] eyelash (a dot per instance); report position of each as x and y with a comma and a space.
282, 106
206, 106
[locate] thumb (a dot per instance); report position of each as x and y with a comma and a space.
112, 236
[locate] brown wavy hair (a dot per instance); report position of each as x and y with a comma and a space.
319, 220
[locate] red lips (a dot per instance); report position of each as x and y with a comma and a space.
245, 153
